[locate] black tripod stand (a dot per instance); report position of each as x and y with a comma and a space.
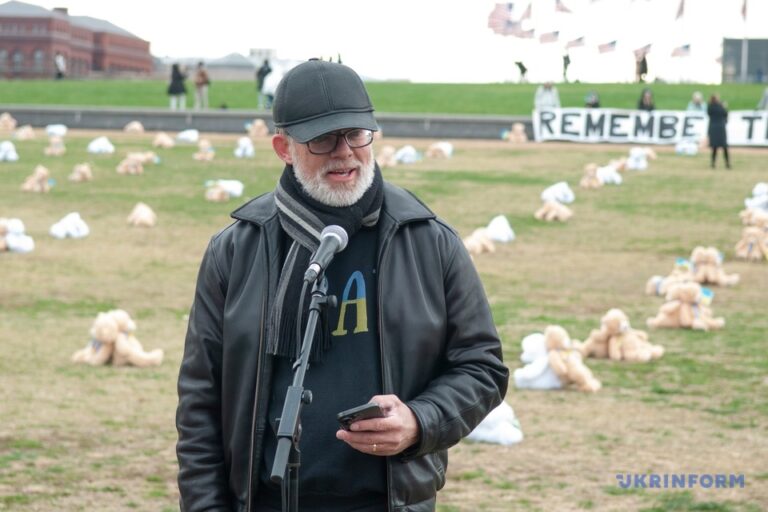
285, 469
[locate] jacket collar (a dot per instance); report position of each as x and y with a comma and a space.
399, 204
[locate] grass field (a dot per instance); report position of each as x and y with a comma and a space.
499, 99
80, 438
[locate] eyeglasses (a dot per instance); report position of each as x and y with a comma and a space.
326, 143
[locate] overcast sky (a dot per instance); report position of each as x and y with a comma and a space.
439, 40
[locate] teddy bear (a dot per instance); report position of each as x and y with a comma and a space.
517, 134
104, 333
130, 166
13, 237
385, 156
258, 129
244, 148
590, 179
626, 343
707, 267
128, 349
638, 158
163, 140
686, 307
134, 127
216, 194
142, 216
440, 149
80, 173
55, 147
37, 181
7, 123
205, 151
553, 211
8, 152
609, 174
681, 272
144, 157
596, 344
25, 132
101, 146
552, 362
753, 245
479, 242
754, 217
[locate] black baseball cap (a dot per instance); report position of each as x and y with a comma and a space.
318, 97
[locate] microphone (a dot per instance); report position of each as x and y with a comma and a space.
333, 239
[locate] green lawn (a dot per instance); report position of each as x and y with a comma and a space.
80, 438
497, 99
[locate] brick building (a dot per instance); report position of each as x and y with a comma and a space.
31, 37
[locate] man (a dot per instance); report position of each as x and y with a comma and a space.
261, 74
412, 331
202, 82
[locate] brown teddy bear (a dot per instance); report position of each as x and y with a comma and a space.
104, 334
130, 166
205, 151
37, 181
163, 140
479, 242
80, 173
145, 157
134, 127
566, 361
142, 216
55, 147
590, 179
753, 245
128, 349
681, 273
385, 156
258, 129
686, 307
553, 211
708, 269
596, 344
626, 343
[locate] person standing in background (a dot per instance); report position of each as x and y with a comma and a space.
61, 66
763, 104
718, 120
697, 103
546, 97
202, 81
177, 89
261, 75
646, 101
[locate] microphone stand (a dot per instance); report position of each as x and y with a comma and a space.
285, 469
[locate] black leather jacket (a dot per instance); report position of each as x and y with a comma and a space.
440, 353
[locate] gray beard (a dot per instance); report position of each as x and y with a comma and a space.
320, 190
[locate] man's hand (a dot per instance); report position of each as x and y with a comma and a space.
390, 435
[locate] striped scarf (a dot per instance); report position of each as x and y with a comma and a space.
303, 219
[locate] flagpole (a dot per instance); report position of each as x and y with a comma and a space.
744, 46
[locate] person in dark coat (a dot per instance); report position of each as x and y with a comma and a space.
177, 89
261, 75
718, 119
646, 101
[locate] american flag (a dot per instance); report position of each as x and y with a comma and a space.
641, 52
500, 17
526, 14
575, 42
523, 34
607, 47
682, 51
680, 10
744, 10
549, 37
560, 7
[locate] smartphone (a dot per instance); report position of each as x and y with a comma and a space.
361, 412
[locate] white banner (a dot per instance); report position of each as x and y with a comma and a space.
745, 127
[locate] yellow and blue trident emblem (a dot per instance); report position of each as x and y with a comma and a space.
361, 307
